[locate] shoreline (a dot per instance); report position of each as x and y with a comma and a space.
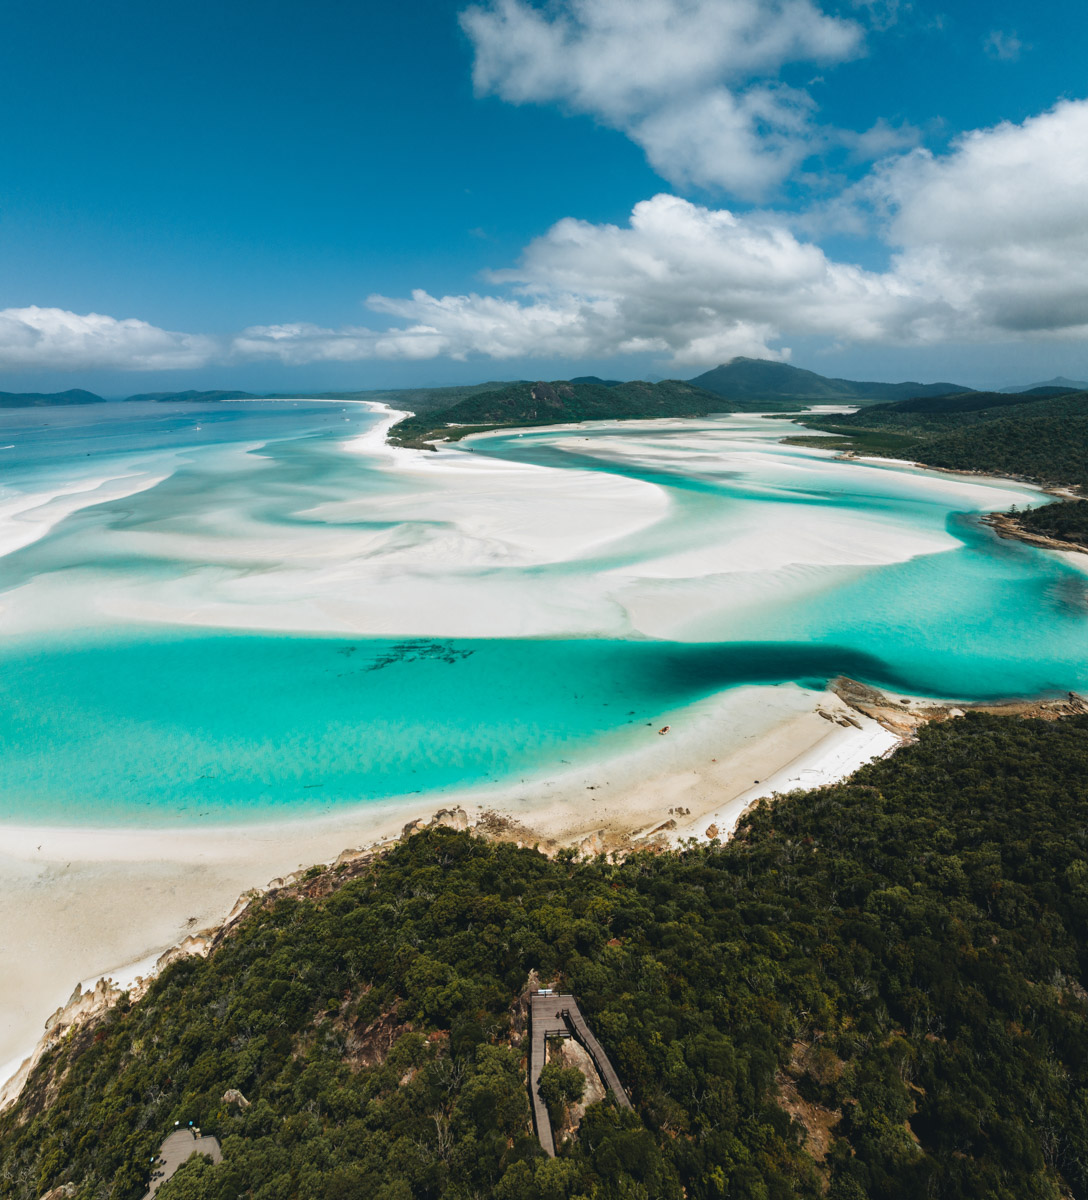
85, 897
108, 903
796, 739
1005, 525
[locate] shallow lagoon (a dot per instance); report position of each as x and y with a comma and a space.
252, 619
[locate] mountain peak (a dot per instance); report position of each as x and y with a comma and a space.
765, 379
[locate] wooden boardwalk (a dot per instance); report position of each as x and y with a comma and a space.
178, 1148
554, 1014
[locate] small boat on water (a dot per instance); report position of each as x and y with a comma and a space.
664, 729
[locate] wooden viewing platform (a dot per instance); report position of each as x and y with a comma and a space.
555, 1014
178, 1148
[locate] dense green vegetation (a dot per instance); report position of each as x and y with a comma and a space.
540, 403
1068, 521
758, 380
904, 955
1039, 435
427, 399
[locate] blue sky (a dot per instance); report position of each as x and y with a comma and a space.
211, 194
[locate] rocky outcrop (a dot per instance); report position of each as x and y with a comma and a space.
905, 714
64, 1192
1007, 526
84, 1007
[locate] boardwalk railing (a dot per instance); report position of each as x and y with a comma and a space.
552, 1014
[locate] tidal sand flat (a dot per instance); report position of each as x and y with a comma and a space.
275, 637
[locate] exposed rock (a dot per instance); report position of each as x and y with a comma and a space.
86, 1006
452, 818
413, 827
242, 903
1007, 526
712, 831
568, 1053
906, 714
368, 1047
196, 945
62, 1192
592, 845
234, 1096
818, 1122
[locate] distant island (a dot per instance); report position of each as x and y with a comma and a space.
44, 399
774, 384
742, 385
744, 382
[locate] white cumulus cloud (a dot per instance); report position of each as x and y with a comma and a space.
62, 340
998, 226
691, 81
986, 243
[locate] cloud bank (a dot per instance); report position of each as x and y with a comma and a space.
54, 337
986, 243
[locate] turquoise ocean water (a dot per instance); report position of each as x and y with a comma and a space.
145, 723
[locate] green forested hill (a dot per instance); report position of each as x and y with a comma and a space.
43, 399
900, 961
1040, 437
1068, 522
423, 399
558, 403
749, 380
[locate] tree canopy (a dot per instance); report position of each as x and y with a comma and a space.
875, 990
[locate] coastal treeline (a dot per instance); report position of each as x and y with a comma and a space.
1068, 521
1038, 436
557, 403
877, 989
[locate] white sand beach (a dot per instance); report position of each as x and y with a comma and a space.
106, 902
448, 544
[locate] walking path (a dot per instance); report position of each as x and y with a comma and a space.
553, 1014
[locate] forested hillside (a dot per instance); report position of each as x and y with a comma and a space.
1042, 437
748, 380
1068, 522
563, 401
876, 990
